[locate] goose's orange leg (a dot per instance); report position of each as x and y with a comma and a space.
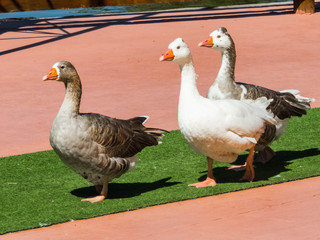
263, 156
103, 194
249, 174
210, 181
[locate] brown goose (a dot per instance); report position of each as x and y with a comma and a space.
97, 147
285, 104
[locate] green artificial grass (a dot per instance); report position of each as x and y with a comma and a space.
38, 190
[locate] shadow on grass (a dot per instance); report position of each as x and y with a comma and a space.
262, 171
125, 190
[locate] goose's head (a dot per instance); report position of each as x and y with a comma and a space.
178, 51
218, 39
61, 71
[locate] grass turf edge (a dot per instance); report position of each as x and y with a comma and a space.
38, 190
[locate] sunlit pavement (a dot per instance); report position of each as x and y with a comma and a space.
117, 58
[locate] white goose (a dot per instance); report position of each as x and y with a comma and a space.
219, 129
285, 104
97, 147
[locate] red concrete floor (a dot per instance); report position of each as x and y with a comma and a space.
117, 58
283, 211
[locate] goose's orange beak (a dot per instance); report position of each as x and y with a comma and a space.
168, 56
52, 75
207, 43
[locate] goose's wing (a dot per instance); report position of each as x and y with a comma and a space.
244, 118
284, 104
120, 138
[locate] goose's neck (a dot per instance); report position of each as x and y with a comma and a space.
71, 102
189, 98
226, 72
188, 81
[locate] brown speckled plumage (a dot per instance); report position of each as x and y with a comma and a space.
93, 145
284, 104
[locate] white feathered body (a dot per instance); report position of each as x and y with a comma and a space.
219, 129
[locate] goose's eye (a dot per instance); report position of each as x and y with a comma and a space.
178, 47
218, 36
62, 67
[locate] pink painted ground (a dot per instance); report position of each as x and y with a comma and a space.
117, 59
120, 69
283, 211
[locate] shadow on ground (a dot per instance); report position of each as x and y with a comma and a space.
45, 30
262, 171
125, 190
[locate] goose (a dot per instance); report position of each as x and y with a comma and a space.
97, 147
219, 129
285, 104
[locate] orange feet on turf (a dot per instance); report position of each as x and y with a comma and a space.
94, 199
209, 182
248, 176
238, 168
